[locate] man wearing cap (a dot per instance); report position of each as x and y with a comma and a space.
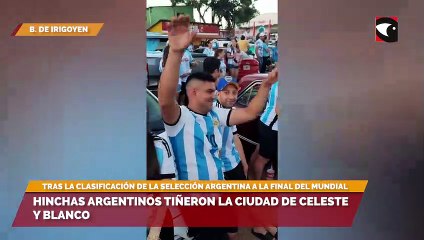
259, 50
232, 153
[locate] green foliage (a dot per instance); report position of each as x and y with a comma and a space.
233, 11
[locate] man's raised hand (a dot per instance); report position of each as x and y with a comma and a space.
272, 77
179, 34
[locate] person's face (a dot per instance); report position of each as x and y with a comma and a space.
221, 55
203, 93
209, 44
228, 96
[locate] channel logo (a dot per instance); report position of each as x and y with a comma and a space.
386, 29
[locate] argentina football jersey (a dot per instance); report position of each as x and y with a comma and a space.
229, 154
269, 117
196, 141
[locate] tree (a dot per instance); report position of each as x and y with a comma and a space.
174, 2
196, 4
233, 11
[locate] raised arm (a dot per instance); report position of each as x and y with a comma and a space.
179, 38
239, 147
258, 103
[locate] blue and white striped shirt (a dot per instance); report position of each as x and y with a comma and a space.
196, 141
229, 154
269, 117
165, 156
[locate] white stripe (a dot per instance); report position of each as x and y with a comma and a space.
189, 151
271, 108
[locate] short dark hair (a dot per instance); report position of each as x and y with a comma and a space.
210, 64
242, 37
201, 76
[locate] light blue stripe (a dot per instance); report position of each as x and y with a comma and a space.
236, 155
159, 154
202, 167
271, 104
224, 157
177, 144
210, 129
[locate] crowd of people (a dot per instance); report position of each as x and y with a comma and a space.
201, 123
231, 54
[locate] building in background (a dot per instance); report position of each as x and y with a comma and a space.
267, 22
158, 23
155, 14
205, 30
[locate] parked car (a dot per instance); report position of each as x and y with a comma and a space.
199, 50
153, 60
155, 123
245, 81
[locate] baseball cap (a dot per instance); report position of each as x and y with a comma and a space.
225, 81
262, 34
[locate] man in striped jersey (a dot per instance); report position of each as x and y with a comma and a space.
268, 134
232, 153
268, 149
194, 130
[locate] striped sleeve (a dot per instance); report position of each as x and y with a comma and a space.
165, 156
